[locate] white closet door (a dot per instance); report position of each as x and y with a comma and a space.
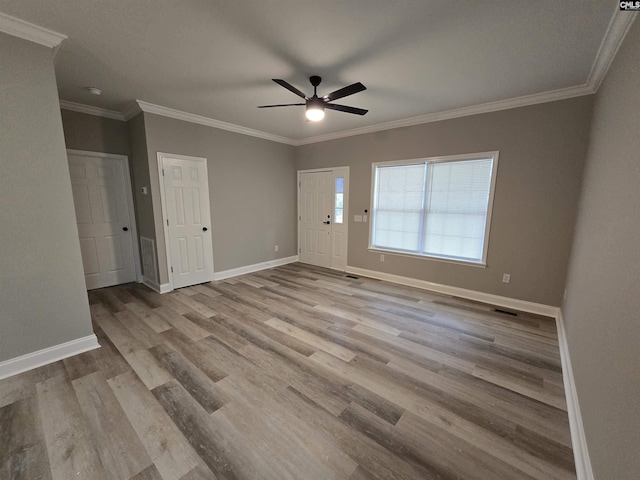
104, 223
186, 189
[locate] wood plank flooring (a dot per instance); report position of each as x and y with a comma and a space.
293, 373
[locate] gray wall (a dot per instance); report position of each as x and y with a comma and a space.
95, 134
252, 186
602, 309
42, 291
139, 162
542, 149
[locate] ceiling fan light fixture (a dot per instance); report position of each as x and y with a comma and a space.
315, 110
315, 105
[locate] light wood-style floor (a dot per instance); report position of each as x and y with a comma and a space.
293, 373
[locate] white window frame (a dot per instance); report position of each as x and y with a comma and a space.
440, 159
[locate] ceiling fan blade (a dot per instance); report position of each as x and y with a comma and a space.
345, 108
344, 92
289, 87
281, 105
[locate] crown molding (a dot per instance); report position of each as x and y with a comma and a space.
210, 122
551, 96
618, 27
29, 31
88, 109
131, 111
614, 36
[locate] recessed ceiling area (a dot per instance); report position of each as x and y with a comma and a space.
216, 59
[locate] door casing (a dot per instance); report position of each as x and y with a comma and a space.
161, 156
343, 229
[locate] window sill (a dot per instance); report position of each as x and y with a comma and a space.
428, 257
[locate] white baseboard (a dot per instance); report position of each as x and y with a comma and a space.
578, 438
234, 272
500, 301
48, 355
160, 288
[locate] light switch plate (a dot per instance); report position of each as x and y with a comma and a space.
357, 218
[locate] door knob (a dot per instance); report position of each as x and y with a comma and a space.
125, 229
327, 222
204, 229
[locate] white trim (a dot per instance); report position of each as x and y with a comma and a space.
163, 196
256, 267
130, 205
578, 438
89, 110
523, 101
140, 106
613, 38
210, 122
427, 257
30, 31
160, 288
335, 171
489, 298
132, 109
47, 355
91, 153
618, 27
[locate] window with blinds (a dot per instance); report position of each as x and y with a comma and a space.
437, 207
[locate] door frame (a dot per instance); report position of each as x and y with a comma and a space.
346, 207
128, 186
165, 226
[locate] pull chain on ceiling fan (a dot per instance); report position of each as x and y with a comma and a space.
315, 105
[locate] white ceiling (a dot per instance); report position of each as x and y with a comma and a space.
416, 57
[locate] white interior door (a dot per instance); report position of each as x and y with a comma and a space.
102, 213
186, 199
315, 218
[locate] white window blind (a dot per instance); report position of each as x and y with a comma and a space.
435, 208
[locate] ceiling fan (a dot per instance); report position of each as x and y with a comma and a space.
315, 105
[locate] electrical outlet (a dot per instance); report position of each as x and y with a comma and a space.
506, 278
382, 258
276, 248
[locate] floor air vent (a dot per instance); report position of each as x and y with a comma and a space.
148, 254
352, 276
506, 312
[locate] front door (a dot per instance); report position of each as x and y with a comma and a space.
316, 209
186, 196
104, 221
